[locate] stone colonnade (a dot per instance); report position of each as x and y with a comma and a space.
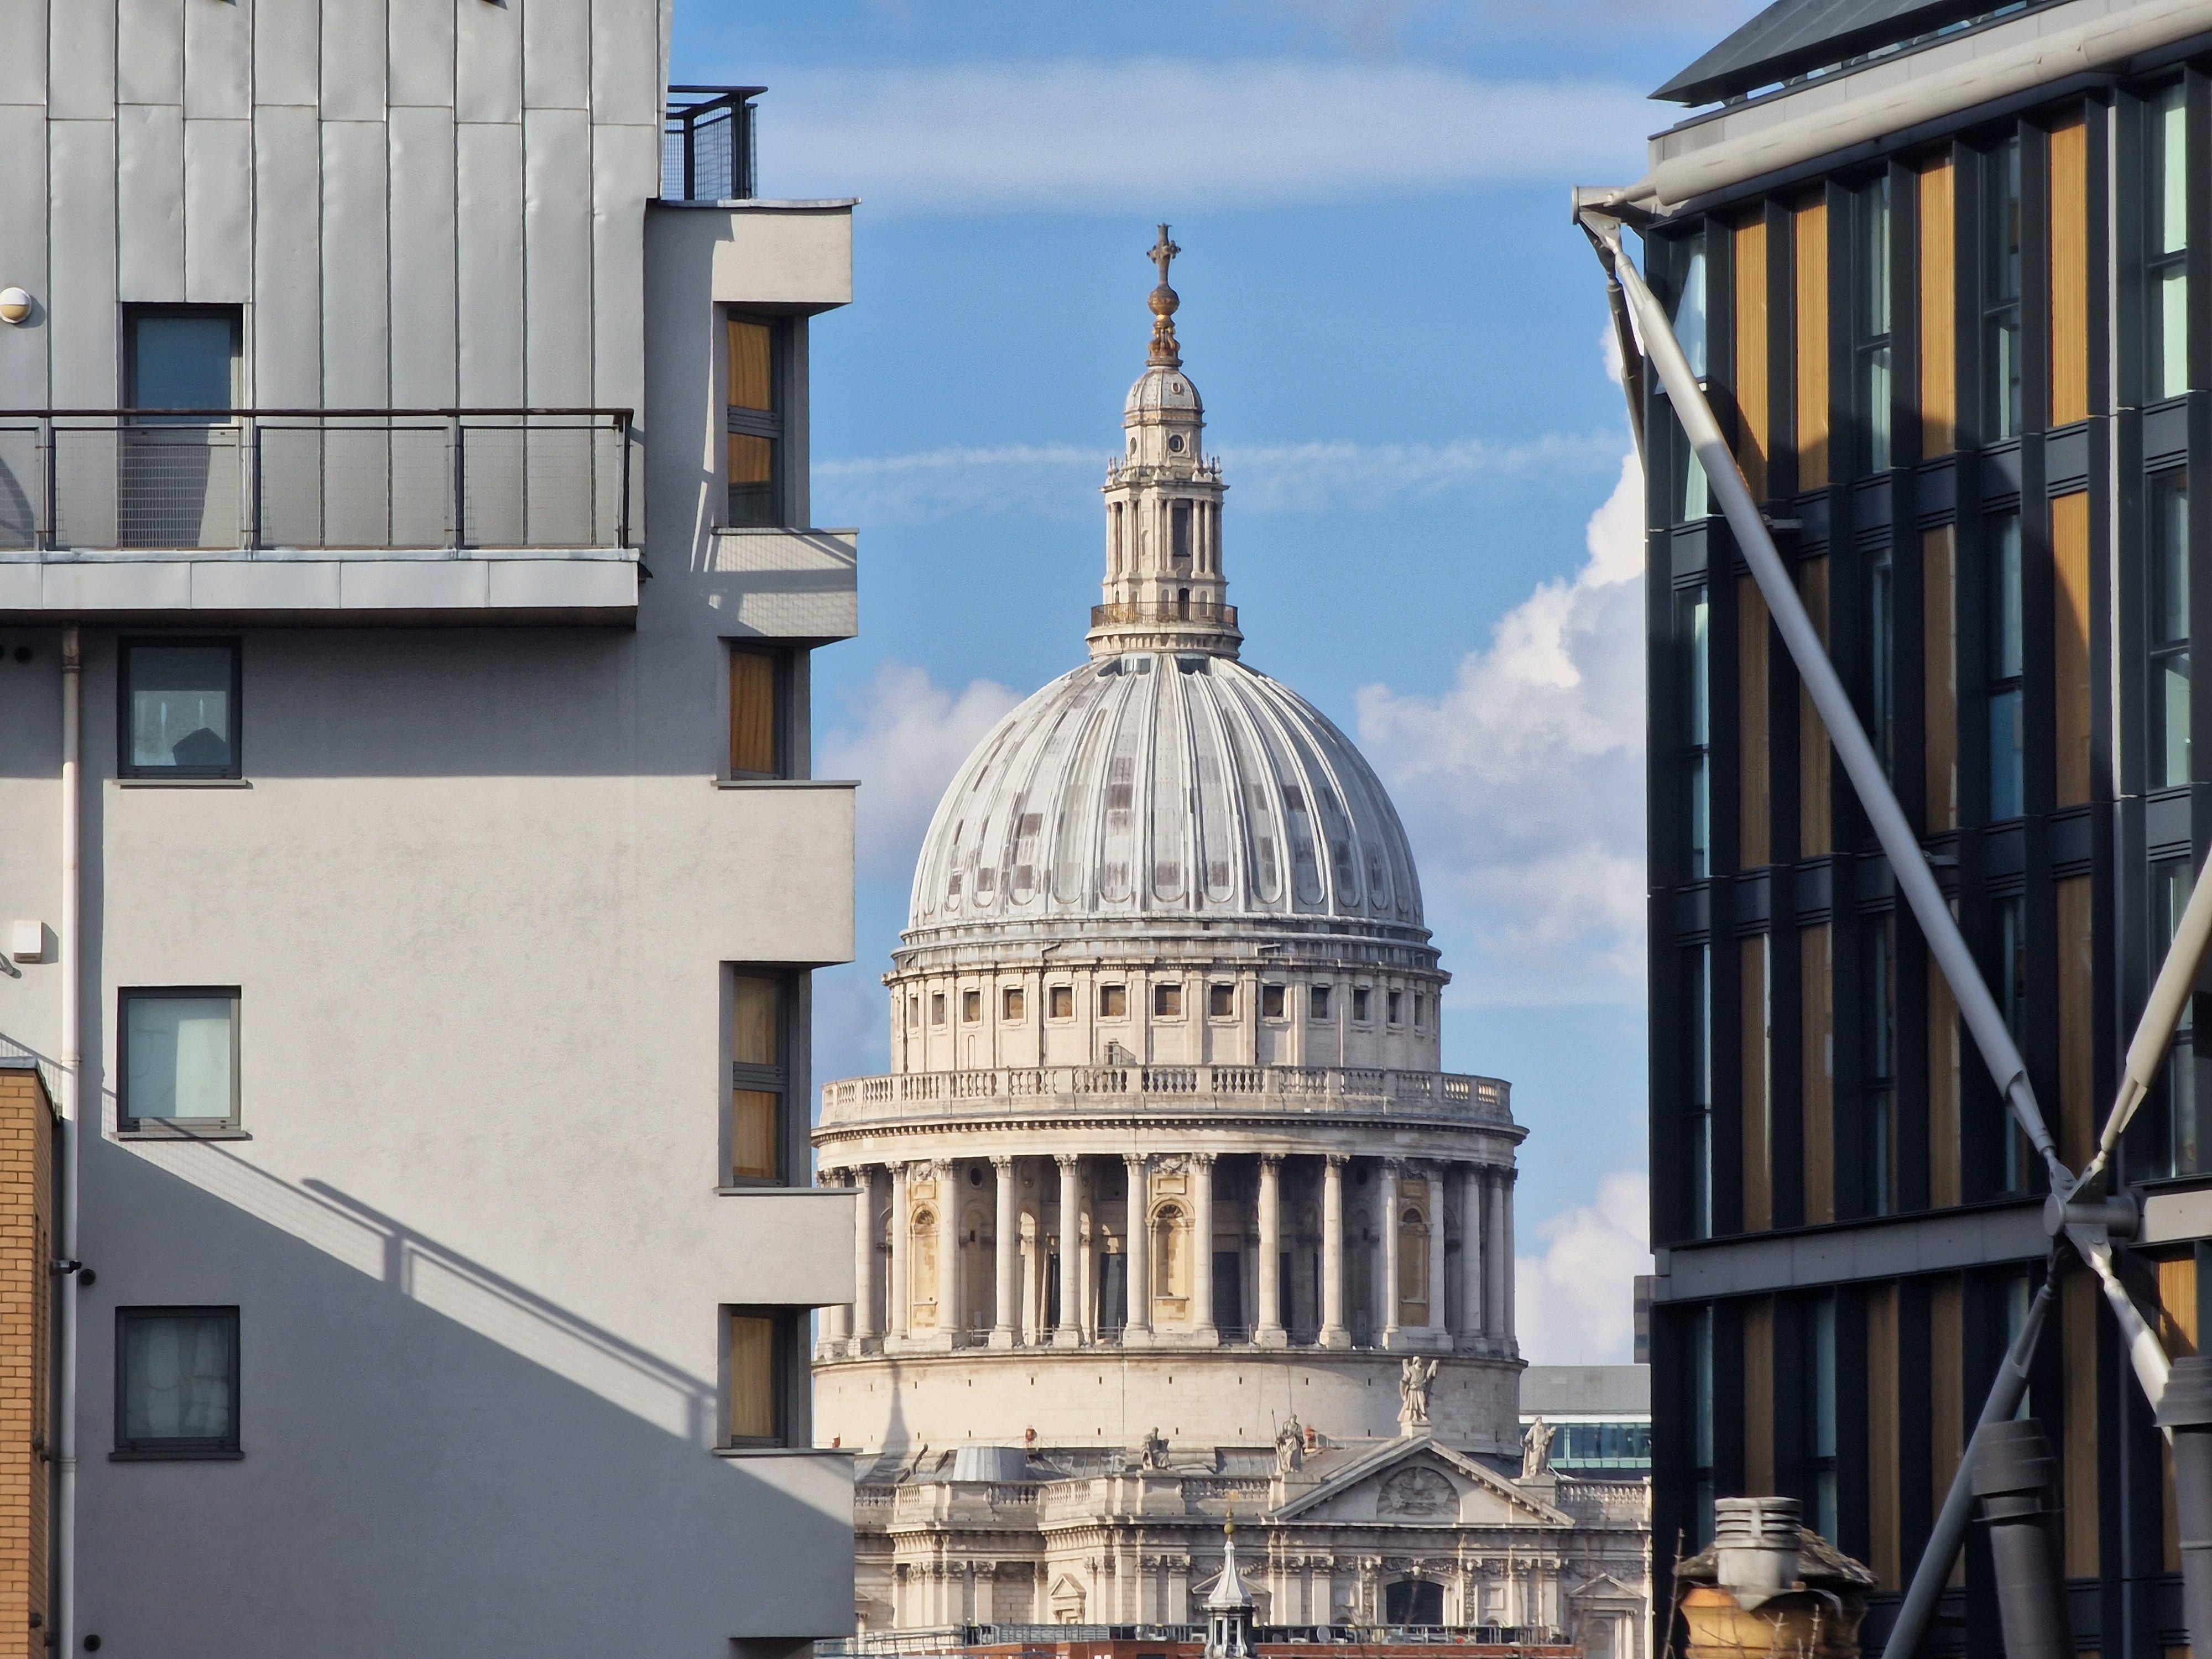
1059, 1275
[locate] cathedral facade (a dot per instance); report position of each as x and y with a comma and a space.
1167, 1211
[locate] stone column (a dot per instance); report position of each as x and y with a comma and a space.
1493, 1256
836, 1326
1005, 1291
1201, 1262
1386, 1334
1069, 1332
1138, 1249
1439, 1315
864, 1253
1471, 1253
948, 1252
1505, 1184
1267, 1329
897, 1294
1334, 1333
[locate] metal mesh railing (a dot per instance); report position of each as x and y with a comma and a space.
339, 479
707, 144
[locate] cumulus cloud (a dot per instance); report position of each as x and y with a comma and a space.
903, 738
1522, 784
989, 136
961, 480
1574, 1302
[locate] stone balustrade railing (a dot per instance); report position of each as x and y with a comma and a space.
1317, 1088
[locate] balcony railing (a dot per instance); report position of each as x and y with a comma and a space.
1322, 1090
236, 480
1127, 611
707, 144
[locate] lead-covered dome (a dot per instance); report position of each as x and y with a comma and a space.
1160, 784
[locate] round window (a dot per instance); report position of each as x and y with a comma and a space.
1174, 443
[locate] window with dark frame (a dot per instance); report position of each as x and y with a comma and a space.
177, 1049
1692, 492
181, 357
1881, 1007
2005, 652
762, 1343
2010, 936
1704, 1438
763, 1137
1318, 1004
1870, 322
2166, 510
176, 1382
755, 423
1823, 1412
1882, 657
1167, 999
1698, 964
2001, 291
178, 708
2166, 244
1690, 634
1272, 1001
1060, 1002
1113, 1002
1361, 997
1395, 1006
762, 720
2172, 882
1221, 1000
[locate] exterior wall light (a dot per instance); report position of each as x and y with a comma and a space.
14, 305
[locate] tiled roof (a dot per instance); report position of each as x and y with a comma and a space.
1792, 36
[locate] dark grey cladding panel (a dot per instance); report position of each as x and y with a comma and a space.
1871, 881
2004, 851
1870, 506
2165, 431
1812, 519
1814, 885
1792, 36
1938, 490
2000, 473
1690, 550
1693, 912
2071, 841
2165, 823
1897, 1247
1754, 902
2066, 458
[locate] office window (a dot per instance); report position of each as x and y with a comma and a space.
1690, 614
1221, 1001
2001, 292
1815, 783
1704, 1440
1060, 1002
1882, 658
178, 1058
1317, 1007
1870, 321
179, 704
763, 1136
1754, 798
1167, 999
1010, 1003
1820, 1375
1690, 311
181, 357
1940, 673
2172, 882
2166, 253
2008, 775
1271, 1000
176, 1382
1698, 963
1360, 997
1881, 964
2010, 934
1113, 1002
756, 424
763, 736
2166, 506
762, 1343
1394, 1007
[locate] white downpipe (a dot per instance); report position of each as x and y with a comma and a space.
72, 962
1908, 863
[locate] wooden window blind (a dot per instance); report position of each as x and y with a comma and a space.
755, 683
1814, 806
1810, 224
2069, 668
1817, 1093
1938, 310
1885, 1507
1944, 1156
1939, 587
1947, 1395
758, 1086
1753, 423
755, 1393
2078, 1297
1754, 1083
2069, 271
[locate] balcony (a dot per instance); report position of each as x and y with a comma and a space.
1083, 1092
1138, 612
707, 151
269, 513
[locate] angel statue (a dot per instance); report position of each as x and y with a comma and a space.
1415, 1377
1536, 1449
1290, 1447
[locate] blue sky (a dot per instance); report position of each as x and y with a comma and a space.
1398, 334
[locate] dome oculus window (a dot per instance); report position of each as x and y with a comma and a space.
1167, 999
1113, 1002
1060, 1002
1174, 443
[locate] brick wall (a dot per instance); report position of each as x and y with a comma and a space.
26, 1246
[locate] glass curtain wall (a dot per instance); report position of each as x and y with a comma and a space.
2166, 253
2001, 292
2006, 655
1871, 323
2167, 511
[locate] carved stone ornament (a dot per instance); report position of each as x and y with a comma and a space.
1417, 1492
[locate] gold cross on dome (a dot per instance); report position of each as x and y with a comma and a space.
1163, 254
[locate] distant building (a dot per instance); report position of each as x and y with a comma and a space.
1167, 1209
1600, 1416
1946, 270
410, 870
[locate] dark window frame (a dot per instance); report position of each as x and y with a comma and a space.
1874, 320
1217, 992
772, 424
134, 313
1274, 1002
2002, 270
2163, 649
176, 1449
233, 643
788, 1378
791, 736
175, 1129
786, 1079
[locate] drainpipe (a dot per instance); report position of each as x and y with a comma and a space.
64, 1536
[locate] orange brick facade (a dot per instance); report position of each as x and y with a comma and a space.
27, 1215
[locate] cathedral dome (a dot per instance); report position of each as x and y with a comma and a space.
1166, 785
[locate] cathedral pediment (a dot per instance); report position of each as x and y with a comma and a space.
1416, 1481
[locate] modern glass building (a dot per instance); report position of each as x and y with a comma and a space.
1943, 269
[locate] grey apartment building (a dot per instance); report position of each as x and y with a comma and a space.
410, 858
1946, 270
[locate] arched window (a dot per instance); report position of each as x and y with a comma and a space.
1413, 1602
1412, 1268
1170, 1254
921, 1275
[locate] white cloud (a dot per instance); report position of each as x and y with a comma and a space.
962, 480
1162, 134
1575, 1303
903, 738
1523, 785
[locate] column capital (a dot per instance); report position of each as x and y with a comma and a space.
1271, 1162
944, 1168
1393, 1167
1336, 1161
1002, 1164
1068, 1161
900, 1172
1203, 1160
1138, 1160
